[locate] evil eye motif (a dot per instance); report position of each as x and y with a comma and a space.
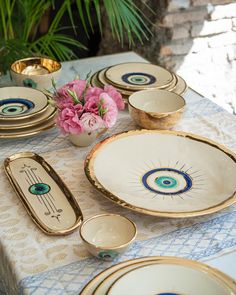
168, 293
39, 189
29, 83
138, 78
167, 181
15, 106
107, 255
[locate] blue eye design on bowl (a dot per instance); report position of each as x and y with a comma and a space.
29, 83
15, 106
138, 78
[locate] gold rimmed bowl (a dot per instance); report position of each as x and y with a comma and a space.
156, 109
35, 72
107, 235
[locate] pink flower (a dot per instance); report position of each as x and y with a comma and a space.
115, 95
91, 122
109, 108
91, 105
93, 92
68, 120
62, 95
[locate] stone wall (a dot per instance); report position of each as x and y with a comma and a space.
197, 39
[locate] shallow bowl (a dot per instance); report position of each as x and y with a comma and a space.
156, 109
35, 72
107, 235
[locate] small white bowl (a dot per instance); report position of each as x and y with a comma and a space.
156, 109
107, 235
35, 72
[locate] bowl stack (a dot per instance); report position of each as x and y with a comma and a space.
24, 112
128, 78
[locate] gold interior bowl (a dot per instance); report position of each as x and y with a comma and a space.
156, 109
35, 72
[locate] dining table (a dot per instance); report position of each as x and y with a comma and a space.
32, 262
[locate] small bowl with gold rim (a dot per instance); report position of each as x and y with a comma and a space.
107, 235
156, 109
35, 72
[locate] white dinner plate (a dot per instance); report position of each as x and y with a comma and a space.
21, 102
137, 76
164, 173
173, 276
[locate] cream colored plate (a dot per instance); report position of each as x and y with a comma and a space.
49, 113
105, 279
137, 76
21, 102
29, 131
173, 276
181, 86
45, 197
164, 173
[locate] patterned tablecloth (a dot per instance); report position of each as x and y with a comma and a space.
34, 263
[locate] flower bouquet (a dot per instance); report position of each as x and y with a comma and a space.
85, 111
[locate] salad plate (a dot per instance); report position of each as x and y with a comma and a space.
21, 102
163, 173
138, 76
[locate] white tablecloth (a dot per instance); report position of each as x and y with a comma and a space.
34, 263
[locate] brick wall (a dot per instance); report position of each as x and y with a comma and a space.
198, 25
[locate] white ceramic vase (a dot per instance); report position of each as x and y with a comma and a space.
86, 138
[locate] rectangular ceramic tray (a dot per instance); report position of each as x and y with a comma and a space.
46, 198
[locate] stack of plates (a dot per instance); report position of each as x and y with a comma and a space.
24, 112
160, 275
133, 76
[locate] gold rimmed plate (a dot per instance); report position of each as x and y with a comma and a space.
21, 102
28, 131
46, 198
103, 282
187, 277
46, 116
163, 173
138, 76
181, 86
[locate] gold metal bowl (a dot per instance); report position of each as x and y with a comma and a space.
35, 72
156, 109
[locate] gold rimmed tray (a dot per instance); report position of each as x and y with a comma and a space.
46, 198
21, 102
163, 173
46, 116
103, 282
138, 76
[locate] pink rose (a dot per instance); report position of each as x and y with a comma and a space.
91, 122
109, 107
93, 92
115, 95
68, 120
91, 105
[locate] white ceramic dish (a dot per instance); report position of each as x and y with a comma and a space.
107, 235
181, 86
21, 102
164, 173
173, 276
137, 76
49, 113
156, 109
101, 283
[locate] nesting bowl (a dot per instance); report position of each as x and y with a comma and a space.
35, 72
107, 235
156, 109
